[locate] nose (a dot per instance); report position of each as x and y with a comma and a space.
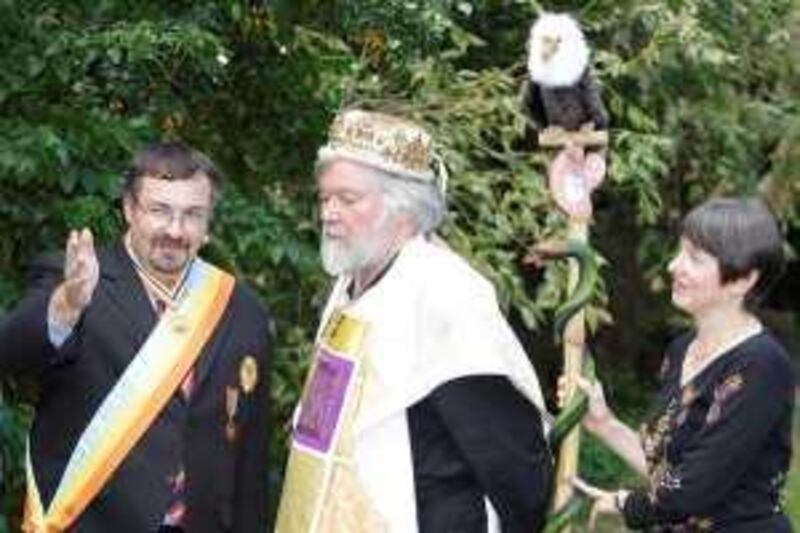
174, 227
329, 210
674, 263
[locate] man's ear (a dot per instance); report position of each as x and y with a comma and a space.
406, 225
127, 207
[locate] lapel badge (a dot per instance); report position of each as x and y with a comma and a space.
231, 406
248, 374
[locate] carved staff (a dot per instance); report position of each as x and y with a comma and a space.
572, 178
561, 102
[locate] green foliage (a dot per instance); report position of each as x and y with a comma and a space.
14, 422
782, 184
791, 496
703, 98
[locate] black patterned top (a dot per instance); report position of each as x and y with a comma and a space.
718, 448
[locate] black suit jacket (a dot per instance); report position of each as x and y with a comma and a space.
226, 477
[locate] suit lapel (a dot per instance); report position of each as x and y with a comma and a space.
126, 293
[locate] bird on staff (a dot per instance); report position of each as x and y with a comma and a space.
560, 91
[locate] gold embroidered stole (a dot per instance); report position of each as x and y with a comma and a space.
134, 402
321, 491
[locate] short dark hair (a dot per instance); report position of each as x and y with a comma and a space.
169, 160
743, 235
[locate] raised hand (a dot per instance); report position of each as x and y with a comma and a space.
81, 273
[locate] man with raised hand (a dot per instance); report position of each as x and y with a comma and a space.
152, 365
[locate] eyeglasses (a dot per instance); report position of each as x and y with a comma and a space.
163, 215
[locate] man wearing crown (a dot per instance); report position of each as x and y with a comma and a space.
421, 412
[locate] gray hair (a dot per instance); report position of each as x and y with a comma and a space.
423, 201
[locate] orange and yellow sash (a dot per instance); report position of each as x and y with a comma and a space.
135, 401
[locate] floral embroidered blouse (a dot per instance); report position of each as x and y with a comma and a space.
718, 448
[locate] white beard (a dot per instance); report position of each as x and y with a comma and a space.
342, 257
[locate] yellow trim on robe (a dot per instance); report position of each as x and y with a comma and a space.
321, 492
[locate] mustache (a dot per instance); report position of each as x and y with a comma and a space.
170, 242
329, 232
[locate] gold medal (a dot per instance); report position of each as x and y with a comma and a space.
248, 374
178, 321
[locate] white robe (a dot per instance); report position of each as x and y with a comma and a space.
432, 318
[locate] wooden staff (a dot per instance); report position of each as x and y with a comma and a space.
574, 339
573, 197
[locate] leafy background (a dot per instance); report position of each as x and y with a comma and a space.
703, 96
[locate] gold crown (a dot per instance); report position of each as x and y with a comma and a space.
389, 143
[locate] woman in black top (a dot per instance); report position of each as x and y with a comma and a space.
717, 449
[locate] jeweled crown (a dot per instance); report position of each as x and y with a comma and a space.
390, 143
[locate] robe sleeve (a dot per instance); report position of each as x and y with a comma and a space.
500, 435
